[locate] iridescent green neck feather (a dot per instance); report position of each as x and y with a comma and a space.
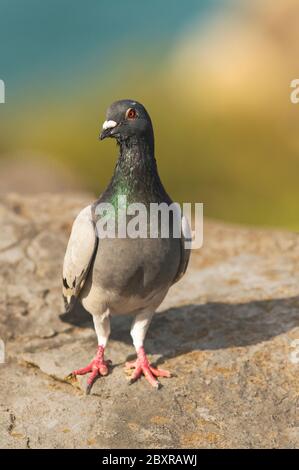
136, 175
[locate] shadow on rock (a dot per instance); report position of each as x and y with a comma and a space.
78, 316
205, 327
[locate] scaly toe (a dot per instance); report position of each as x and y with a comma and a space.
70, 377
103, 369
91, 380
97, 367
142, 366
149, 376
160, 372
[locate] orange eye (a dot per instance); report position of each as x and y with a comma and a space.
131, 113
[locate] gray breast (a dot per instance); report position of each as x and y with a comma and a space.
136, 266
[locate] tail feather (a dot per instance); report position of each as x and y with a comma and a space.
69, 303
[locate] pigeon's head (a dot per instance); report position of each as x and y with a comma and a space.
125, 119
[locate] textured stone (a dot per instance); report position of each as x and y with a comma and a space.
226, 330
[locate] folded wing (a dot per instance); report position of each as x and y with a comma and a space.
186, 239
79, 256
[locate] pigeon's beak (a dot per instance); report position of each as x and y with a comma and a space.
108, 127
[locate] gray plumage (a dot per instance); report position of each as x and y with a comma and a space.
124, 275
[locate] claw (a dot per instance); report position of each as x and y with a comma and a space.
132, 381
97, 367
160, 372
70, 377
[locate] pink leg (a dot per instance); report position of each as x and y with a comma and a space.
142, 366
98, 366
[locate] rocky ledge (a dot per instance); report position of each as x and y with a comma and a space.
228, 330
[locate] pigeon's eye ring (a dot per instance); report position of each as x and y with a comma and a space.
131, 113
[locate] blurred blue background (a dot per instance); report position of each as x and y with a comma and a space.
214, 76
46, 44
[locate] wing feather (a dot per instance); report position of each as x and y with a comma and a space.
185, 252
80, 252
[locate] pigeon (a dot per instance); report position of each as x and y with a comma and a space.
124, 275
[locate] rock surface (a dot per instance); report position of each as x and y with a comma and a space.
227, 330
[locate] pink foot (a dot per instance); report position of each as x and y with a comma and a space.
142, 366
98, 366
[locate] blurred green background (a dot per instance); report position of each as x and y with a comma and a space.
215, 76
